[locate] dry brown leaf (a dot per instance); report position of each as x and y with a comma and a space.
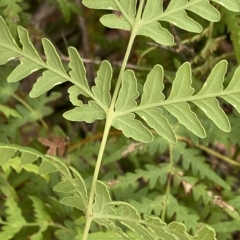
56, 144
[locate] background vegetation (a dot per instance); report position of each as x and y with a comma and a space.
195, 181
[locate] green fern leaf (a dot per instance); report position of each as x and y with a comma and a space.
128, 92
152, 9
190, 158
106, 4
150, 94
49, 163
152, 14
102, 200
64, 186
28, 158
87, 112
234, 98
154, 118
27, 66
110, 225
103, 206
152, 174
211, 106
41, 214
103, 83
53, 59
78, 72
68, 185
177, 104
73, 201
105, 211
200, 191
30, 61
46, 168
132, 128
187, 117
231, 5
37, 236
80, 186
205, 233
180, 18
15, 220
74, 92
182, 88
6, 154
155, 222
111, 21
182, 111
179, 230
129, 8
128, 212
45, 83
61, 166
155, 31
173, 209
205, 10
8, 46
49, 78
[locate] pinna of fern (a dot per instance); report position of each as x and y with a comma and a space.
152, 99
105, 211
123, 118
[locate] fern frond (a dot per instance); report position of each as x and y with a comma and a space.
41, 214
55, 74
152, 15
173, 209
232, 20
14, 219
152, 174
200, 191
152, 99
177, 103
106, 212
191, 158
72, 181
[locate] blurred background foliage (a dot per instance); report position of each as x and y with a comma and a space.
198, 179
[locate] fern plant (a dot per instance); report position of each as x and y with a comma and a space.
137, 116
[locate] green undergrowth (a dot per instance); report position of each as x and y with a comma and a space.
145, 147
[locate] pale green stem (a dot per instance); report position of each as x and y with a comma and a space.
125, 60
168, 184
109, 119
210, 32
95, 177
